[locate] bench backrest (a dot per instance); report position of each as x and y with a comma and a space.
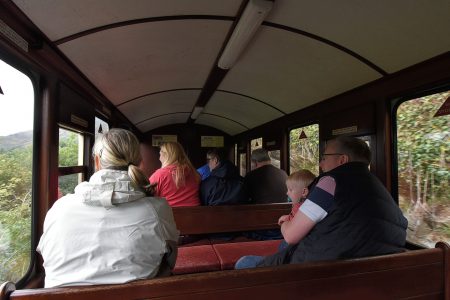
214, 219
418, 274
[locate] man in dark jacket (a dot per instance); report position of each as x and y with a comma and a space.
348, 213
224, 185
265, 183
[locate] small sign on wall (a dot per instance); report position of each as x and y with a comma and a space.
351, 129
212, 141
79, 121
157, 140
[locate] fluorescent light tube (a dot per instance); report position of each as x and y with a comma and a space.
252, 17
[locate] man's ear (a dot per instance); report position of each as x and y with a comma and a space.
344, 159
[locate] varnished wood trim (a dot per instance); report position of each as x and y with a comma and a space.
329, 43
158, 92
446, 270
140, 21
62, 171
5, 289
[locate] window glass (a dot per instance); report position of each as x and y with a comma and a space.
423, 151
67, 183
16, 160
235, 154
243, 162
70, 148
304, 149
367, 138
275, 158
255, 144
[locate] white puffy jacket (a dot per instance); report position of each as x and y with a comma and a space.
107, 232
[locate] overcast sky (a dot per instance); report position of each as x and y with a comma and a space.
17, 103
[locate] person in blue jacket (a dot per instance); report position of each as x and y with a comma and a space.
204, 171
224, 185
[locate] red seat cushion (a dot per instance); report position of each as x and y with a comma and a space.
229, 253
196, 259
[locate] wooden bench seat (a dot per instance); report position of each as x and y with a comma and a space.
229, 253
196, 259
216, 257
232, 218
418, 274
208, 240
212, 254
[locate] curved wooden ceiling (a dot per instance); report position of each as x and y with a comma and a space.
156, 59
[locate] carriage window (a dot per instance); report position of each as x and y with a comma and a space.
275, 158
67, 183
255, 144
304, 149
423, 151
243, 164
70, 148
71, 158
367, 139
16, 160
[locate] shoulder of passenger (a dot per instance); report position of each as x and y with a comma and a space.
326, 182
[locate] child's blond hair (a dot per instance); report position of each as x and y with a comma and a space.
303, 176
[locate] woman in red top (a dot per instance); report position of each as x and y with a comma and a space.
177, 180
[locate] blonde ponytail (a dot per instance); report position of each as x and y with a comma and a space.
118, 149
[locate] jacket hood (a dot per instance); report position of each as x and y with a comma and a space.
108, 188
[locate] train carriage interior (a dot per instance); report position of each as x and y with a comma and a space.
286, 75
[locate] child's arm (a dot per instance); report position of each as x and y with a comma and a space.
296, 229
295, 207
283, 219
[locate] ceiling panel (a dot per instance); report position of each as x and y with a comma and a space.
163, 64
226, 125
74, 17
391, 34
247, 111
159, 104
132, 61
291, 71
176, 118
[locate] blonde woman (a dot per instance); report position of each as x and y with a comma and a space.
110, 230
177, 180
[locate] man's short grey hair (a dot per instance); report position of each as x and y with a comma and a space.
356, 149
260, 155
215, 153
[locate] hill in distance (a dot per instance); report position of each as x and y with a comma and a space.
16, 140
